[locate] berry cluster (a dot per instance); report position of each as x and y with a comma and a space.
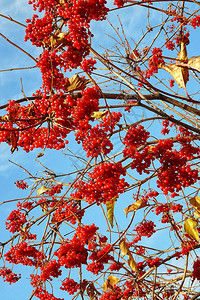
16, 220
21, 184
154, 62
145, 228
105, 184
9, 276
135, 137
100, 258
24, 254
196, 270
70, 286
51, 269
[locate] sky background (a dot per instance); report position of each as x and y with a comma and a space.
10, 88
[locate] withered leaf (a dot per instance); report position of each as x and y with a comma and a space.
83, 285
125, 251
92, 291
110, 282
135, 206
40, 155
14, 137
180, 74
195, 201
197, 214
194, 63
76, 83
123, 247
190, 227
43, 189
99, 114
58, 39
110, 210
44, 207
132, 263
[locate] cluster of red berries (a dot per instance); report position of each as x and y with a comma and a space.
196, 270
9, 276
51, 269
154, 62
195, 22
21, 184
16, 220
115, 294
63, 49
42, 294
24, 254
135, 137
96, 141
72, 254
105, 184
70, 286
100, 257
145, 228
65, 211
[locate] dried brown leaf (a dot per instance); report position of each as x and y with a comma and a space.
76, 83
43, 189
194, 63
92, 291
123, 247
58, 39
195, 201
14, 137
110, 210
40, 155
132, 263
180, 74
135, 206
110, 282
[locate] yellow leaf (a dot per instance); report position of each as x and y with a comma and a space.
183, 53
194, 63
125, 250
180, 74
57, 39
132, 263
44, 207
135, 206
76, 83
99, 114
196, 214
123, 247
110, 282
110, 210
195, 201
42, 189
190, 227
113, 280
